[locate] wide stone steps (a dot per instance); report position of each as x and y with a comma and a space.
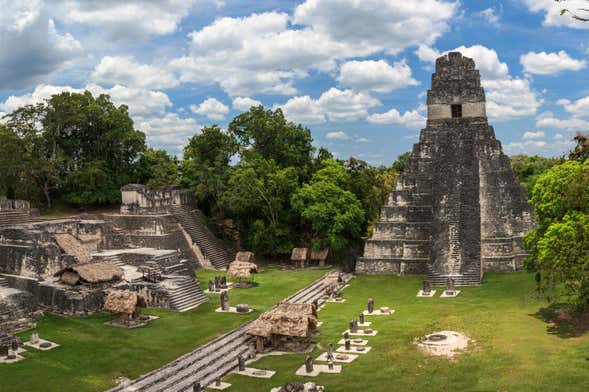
114, 259
10, 218
212, 248
212, 360
459, 280
187, 295
3, 282
178, 269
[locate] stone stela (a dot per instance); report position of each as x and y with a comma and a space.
458, 209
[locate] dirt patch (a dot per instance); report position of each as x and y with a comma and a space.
444, 343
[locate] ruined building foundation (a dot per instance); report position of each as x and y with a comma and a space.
458, 209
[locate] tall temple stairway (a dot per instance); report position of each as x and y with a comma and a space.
212, 248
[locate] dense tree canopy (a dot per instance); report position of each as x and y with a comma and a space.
74, 146
157, 168
529, 168
334, 214
267, 134
206, 166
559, 245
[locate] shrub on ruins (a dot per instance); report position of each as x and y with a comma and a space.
77, 147
333, 214
206, 166
156, 168
559, 245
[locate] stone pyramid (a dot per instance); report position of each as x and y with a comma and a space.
458, 209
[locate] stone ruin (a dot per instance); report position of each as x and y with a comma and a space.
288, 326
154, 246
15, 211
458, 209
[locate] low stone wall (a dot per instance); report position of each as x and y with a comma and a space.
391, 266
502, 254
69, 301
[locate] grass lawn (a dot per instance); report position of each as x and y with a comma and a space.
93, 354
514, 349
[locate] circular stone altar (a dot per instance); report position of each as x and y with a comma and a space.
443, 343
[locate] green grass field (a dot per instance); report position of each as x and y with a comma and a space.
94, 354
513, 349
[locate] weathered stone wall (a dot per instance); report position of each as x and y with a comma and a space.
150, 231
18, 310
30, 250
138, 199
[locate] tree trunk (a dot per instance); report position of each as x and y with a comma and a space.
46, 189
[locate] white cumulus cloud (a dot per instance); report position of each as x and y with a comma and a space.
337, 135
31, 46
345, 105
334, 104
490, 16
579, 108
141, 102
169, 131
126, 71
390, 25
543, 63
266, 53
378, 76
533, 135
548, 120
211, 108
245, 103
410, 119
124, 20
304, 110
551, 10
38, 95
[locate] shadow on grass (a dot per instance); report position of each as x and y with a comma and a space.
563, 321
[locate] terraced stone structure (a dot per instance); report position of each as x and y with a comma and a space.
458, 209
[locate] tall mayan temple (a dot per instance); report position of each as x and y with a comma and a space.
458, 209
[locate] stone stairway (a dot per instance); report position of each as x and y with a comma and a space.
9, 218
212, 360
187, 294
177, 269
113, 259
3, 282
470, 277
213, 249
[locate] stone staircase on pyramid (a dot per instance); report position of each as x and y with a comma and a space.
194, 223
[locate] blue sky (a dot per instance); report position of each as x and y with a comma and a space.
354, 72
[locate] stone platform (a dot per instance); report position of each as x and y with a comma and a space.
318, 369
